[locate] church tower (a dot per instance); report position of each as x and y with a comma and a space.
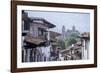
73, 28
63, 32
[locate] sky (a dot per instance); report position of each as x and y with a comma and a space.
68, 19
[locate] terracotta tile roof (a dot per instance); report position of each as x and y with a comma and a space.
44, 21
54, 34
85, 35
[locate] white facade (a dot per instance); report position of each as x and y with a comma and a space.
85, 49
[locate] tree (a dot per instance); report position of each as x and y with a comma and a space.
61, 43
71, 39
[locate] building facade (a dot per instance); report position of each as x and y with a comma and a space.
38, 42
85, 39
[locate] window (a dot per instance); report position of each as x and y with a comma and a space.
26, 21
41, 32
26, 25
